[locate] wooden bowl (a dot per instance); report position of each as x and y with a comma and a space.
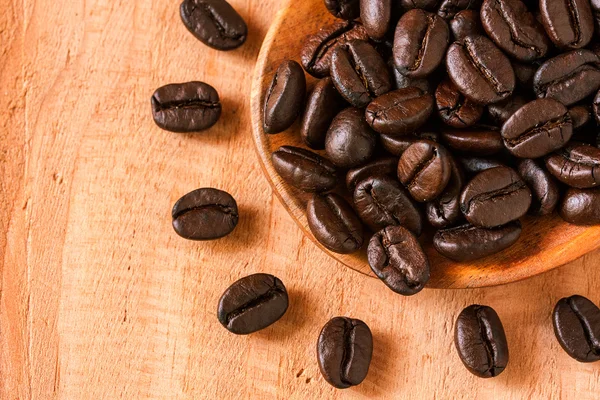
545, 243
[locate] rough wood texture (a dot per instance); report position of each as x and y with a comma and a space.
99, 298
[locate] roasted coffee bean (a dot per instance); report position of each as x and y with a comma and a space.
514, 29
445, 210
186, 107
252, 303
544, 189
350, 141
429, 5
568, 77
482, 141
214, 22
344, 9
454, 109
399, 112
304, 169
396, 257
580, 115
475, 165
524, 74
205, 214
480, 70
466, 23
420, 43
382, 167
376, 16
402, 81
333, 222
500, 112
284, 98
359, 73
425, 169
380, 201
576, 323
318, 48
577, 165
495, 197
344, 351
323, 104
569, 23
467, 242
581, 206
449, 8
397, 145
537, 129
480, 341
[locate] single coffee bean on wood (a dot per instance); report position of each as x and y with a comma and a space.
500, 112
453, 108
284, 98
385, 166
483, 141
323, 104
445, 210
344, 351
569, 23
577, 165
205, 214
376, 16
252, 303
399, 112
576, 323
350, 141
304, 169
466, 23
186, 107
581, 206
396, 145
480, 341
544, 189
344, 9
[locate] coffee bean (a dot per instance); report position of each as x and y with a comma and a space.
344, 351
396, 257
399, 112
568, 77
466, 23
454, 109
304, 169
495, 197
359, 73
205, 214
344, 9
449, 8
186, 107
544, 189
479, 140
467, 242
402, 81
537, 129
577, 165
214, 22
397, 145
445, 210
500, 112
576, 323
334, 223
425, 168
480, 70
252, 303
318, 48
480, 341
380, 202
569, 23
382, 167
420, 43
376, 16
475, 165
581, 206
580, 115
323, 104
350, 141
284, 98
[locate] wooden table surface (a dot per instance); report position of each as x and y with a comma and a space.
100, 299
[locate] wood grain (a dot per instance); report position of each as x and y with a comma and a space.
100, 299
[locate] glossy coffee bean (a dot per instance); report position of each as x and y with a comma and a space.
569, 23
480, 341
580, 115
399, 112
359, 73
323, 104
396, 257
577, 165
396, 145
503, 110
465, 23
186, 107
214, 22
449, 8
495, 197
344, 351
350, 141
475, 165
402, 81
425, 169
454, 109
205, 214
344, 9
318, 48
334, 224
537, 129
544, 189
581, 206
304, 169
576, 323
385, 166
445, 210
480, 70
284, 98
252, 303
467, 242
482, 141
376, 16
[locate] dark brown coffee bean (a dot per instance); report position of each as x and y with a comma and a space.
580, 115
252, 303
304, 169
205, 214
323, 104
186, 107
454, 109
466, 23
577, 165
344, 351
445, 210
581, 206
500, 112
376, 16
479, 140
396, 257
385, 166
495, 197
569, 23
402, 81
544, 189
537, 129
576, 323
214, 22
344, 9
284, 98
399, 112
480, 341
397, 145
474, 165
318, 48
350, 141
449, 8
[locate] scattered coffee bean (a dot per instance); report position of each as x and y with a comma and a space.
581, 207
399, 112
569, 23
445, 210
454, 109
344, 9
350, 141
304, 169
376, 16
396, 145
483, 140
576, 323
385, 166
465, 23
577, 165
285, 97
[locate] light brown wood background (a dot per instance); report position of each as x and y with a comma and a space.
99, 299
